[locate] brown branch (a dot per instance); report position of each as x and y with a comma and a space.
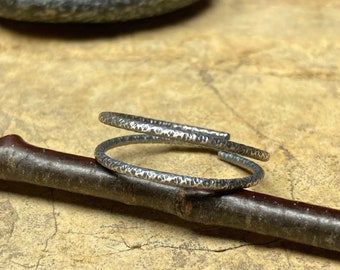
245, 210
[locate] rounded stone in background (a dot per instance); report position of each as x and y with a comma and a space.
62, 11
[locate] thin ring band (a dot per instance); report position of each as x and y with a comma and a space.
195, 135
176, 179
158, 127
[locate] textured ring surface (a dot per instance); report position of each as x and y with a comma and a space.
173, 133
195, 135
176, 179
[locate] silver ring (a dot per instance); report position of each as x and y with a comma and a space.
176, 179
174, 133
195, 135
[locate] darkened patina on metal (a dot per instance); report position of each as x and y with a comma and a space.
61, 11
159, 131
246, 210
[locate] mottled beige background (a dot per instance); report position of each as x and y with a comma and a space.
266, 71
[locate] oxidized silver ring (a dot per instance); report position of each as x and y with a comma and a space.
195, 135
176, 179
174, 133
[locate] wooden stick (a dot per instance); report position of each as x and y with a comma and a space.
245, 210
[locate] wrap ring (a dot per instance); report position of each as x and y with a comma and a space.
176, 179
195, 135
174, 133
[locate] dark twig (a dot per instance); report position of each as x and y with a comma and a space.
246, 210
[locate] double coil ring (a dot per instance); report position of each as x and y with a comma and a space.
156, 131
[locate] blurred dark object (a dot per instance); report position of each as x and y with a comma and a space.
87, 11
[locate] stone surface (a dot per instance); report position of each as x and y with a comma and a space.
268, 72
86, 10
